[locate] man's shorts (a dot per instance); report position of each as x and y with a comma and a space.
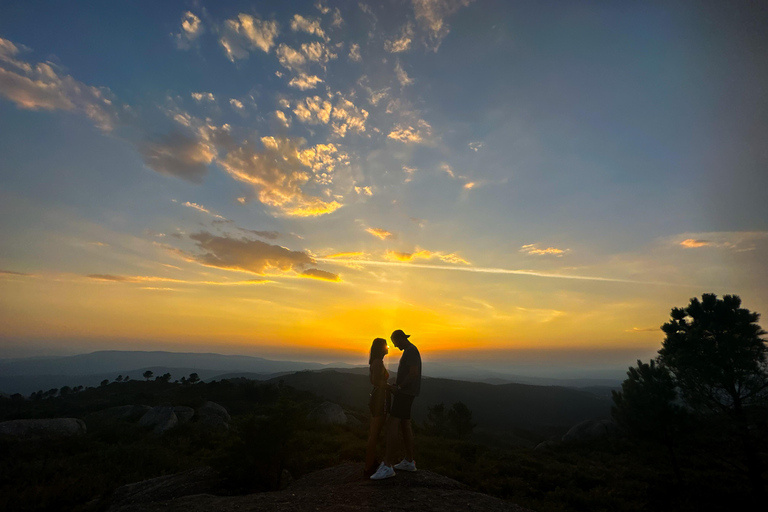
401, 406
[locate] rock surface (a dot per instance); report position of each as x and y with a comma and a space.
213, 415
342, 488
590, 430
183, 413
328, 413
162, 418
193, 481
43, 429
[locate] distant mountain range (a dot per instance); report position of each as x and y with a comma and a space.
28, 375
31, 374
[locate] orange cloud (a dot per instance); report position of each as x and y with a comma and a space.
692, 243
322, 275
425, 254
346, 255
380, 233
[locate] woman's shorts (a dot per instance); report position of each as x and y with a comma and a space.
401, 406
379, 403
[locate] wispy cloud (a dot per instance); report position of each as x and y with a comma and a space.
305, 82
201, 208
488, 270
402, 76
383, 234
43, 87
179, 155
425, 254
534, 250
691, 243
203, 96
431, 16
241, 34
12, 273
116, 278
191, 28
409, 134
401, 43
734, 240
342, 255
310, 26
354, 53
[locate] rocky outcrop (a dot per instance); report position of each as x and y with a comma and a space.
161, 418
343, 488
213, 416
328, 413
591, 430
184, 414
43, 429
193, 481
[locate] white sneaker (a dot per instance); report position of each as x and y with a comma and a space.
405, 465
383, 472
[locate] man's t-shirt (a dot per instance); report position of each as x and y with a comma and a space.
410, 358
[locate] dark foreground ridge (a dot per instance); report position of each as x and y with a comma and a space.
339, 488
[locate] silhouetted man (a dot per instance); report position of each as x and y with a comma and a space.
405, 389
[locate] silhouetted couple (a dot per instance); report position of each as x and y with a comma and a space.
390, 405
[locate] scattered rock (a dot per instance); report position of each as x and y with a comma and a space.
162, 418
328, 413
590, 430
183, 413
214, 416
193, 481
43, 429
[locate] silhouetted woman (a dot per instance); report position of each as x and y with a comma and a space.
379, 402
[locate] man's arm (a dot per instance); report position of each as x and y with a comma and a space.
413, 374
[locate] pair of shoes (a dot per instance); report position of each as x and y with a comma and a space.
405, 465
383, 472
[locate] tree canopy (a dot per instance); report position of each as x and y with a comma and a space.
714, 349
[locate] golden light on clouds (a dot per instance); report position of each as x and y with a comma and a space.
534, 250
346, 255
691, 243
383, 234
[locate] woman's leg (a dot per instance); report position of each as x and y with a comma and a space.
377, 422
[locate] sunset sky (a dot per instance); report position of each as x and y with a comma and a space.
509, 182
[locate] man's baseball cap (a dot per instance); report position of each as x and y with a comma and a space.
400, 335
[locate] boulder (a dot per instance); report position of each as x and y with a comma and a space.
161, 418
213, 416
43, 429
590, 430
184, 414
328, 413
549, 443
